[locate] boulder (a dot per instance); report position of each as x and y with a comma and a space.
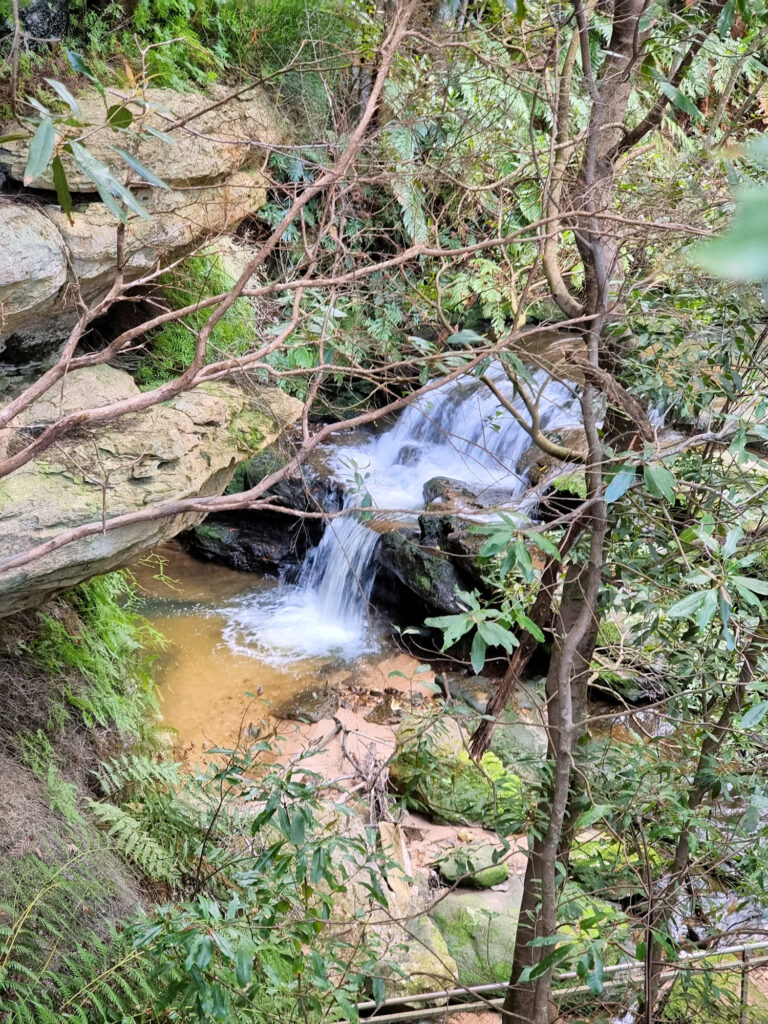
480, 865
479, 929
215, 178
433, 771
187, 447
44, 19
266, 541
219, 135
33, 270
426, 573
310, 705
519, 736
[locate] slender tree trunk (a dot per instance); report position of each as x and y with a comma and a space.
566, 686
662, 905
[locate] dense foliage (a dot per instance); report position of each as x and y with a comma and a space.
468, 214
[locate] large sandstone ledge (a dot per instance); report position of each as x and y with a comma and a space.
185, 448
213, 170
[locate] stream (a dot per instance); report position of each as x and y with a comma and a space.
232, 634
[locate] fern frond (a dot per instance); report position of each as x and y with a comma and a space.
134, 842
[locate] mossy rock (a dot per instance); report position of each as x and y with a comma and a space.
610, 869
433, 771
479, 930
478, 865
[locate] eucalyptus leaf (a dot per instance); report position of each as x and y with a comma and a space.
140, 169
620, 484
660, 482
40, 151
62, 187
66, 95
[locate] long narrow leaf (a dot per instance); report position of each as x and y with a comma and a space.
66, 95
40, 151
140, 169
62, 187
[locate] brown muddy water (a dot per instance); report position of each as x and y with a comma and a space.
211, 692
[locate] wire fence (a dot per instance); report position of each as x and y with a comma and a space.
618, 975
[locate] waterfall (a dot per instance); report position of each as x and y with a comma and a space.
458, 431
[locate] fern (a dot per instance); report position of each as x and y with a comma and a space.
136, 771
134, 842
100, 661
54, 965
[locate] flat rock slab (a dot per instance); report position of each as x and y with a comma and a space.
185, 448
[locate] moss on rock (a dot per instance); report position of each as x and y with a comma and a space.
434, 772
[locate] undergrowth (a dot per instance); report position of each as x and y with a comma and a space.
94, 648
170, 349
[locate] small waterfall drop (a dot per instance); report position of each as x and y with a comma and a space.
459, 431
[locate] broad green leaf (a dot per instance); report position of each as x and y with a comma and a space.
77, 63
543, 543
687, 606
742, 253
496, 636
680, 100
659, 481
119, 117
66, 95
732, 540
140, 169
477, 653
594, 978
298, 829
620, 484
529, 626
465, 337
751, 583
347, 1007
243, 964
453, 626
62, 188
725, 21
40, 151
755, 715
591, 815
707, 609
378, 990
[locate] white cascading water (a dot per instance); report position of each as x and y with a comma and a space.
458, 431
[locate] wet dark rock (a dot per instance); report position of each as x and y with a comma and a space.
445, 490
470, 690
45, 19
425, 573
310, 705
265, 540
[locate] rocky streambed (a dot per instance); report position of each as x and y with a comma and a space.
388, 736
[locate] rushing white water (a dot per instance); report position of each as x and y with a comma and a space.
458, 431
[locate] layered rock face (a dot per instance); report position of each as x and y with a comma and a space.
187, 447
211, 163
